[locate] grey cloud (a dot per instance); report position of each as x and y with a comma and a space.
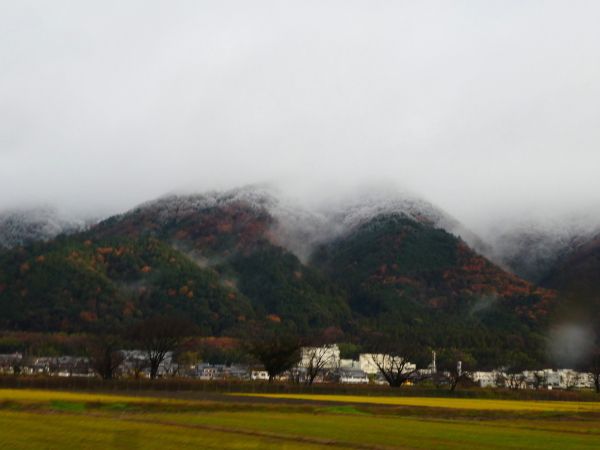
481, 107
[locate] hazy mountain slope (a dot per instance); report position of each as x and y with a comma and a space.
531, 247
23, 226
577, 277
579, 270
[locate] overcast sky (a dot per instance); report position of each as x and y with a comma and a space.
484, 107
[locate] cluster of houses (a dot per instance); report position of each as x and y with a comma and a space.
317, 364
535, 379
62, 366
135, 364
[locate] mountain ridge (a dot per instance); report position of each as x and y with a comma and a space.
298, 225
223, 259
379, 268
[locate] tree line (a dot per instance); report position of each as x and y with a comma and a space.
399, 360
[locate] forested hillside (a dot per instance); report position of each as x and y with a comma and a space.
74, 284
236, 241
222, 265
419, 281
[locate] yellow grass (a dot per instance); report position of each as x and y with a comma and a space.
22, 395
456, 403
35, 396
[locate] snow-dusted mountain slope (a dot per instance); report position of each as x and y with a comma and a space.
532, 246
350, 211
22, 226
301, 224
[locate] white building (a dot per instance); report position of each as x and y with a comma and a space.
485, 378
568, 379
349, 364
259, 375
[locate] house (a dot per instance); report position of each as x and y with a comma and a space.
239, 372
209, 372
352, 377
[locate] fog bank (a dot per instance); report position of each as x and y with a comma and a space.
485, 109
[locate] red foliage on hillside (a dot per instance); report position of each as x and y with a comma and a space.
472, 276
212, 230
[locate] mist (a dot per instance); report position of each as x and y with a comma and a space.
570, 344
486, 109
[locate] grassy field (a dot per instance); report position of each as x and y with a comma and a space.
59, 431
455, 403
58, 420
412, 432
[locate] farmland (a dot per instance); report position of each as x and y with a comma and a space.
454, 403
53, 419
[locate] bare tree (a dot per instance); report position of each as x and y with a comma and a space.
514, 365
515, 379
106, 354
500, 379
295, 373
316, 359
457, 365
277, 354
571, 379
137, 362
159, 336
591, 366
399, 362
538, 379
53, 366
17, 362
172, 368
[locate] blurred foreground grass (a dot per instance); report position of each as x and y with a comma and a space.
58, 420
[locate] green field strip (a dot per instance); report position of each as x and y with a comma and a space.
454, 403
398, 431
27, 431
